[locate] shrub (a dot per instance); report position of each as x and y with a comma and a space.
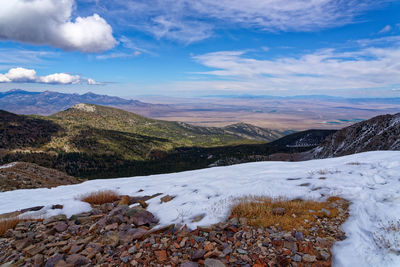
100, 197
8, 224
298, 214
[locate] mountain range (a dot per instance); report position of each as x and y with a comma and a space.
49, 102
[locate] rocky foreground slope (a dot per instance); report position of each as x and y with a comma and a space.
115, 234
23, 175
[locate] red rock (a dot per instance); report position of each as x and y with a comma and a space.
209, 247
161, 255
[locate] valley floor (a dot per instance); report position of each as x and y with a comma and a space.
370, 181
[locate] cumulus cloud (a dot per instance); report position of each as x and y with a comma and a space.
49, 22
190, 21
365, 67
22, 75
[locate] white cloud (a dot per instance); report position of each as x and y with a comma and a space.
22, 75
327, 69
386, 29
49, 22
190, 21
60, 78
93, 82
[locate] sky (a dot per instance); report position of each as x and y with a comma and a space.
192, 48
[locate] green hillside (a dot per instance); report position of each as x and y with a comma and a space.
99, 142
98, 130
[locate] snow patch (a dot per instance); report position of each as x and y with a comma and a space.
9, 165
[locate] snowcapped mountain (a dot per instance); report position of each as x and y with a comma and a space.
378, 133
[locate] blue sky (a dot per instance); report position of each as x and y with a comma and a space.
194, 48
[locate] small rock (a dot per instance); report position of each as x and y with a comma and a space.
111, 239
51, 262
132, 234
327, 212
227, 251
198, 218
161, 255
143, 203
299, 236
60, 217
125, 200
324, 255
213, 263
278, 211
241, 251
60, 227
198, 254
290, 245
296, 258
77, 260
143, 217
189, 264
309, 258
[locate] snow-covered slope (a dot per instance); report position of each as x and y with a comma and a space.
371, 181
379, 133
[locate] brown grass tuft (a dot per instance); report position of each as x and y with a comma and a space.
8, 224
100, 197
299, 214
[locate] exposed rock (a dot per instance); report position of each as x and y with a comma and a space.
213, 263
166, 198
189, 264
77, 260
198, 254
309, 258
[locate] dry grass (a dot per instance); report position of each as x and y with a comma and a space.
299, 214
8, 224
100, 197
387, 237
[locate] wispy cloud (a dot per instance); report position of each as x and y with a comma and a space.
326, 69
117, 55
22, 56
386, 29
49, 22
22, 75
190, 21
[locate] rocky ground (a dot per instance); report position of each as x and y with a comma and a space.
23, 175
124, 233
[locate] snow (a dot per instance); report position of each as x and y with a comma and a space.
8, 165
371, 181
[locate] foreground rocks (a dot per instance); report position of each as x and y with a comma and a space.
115, 234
